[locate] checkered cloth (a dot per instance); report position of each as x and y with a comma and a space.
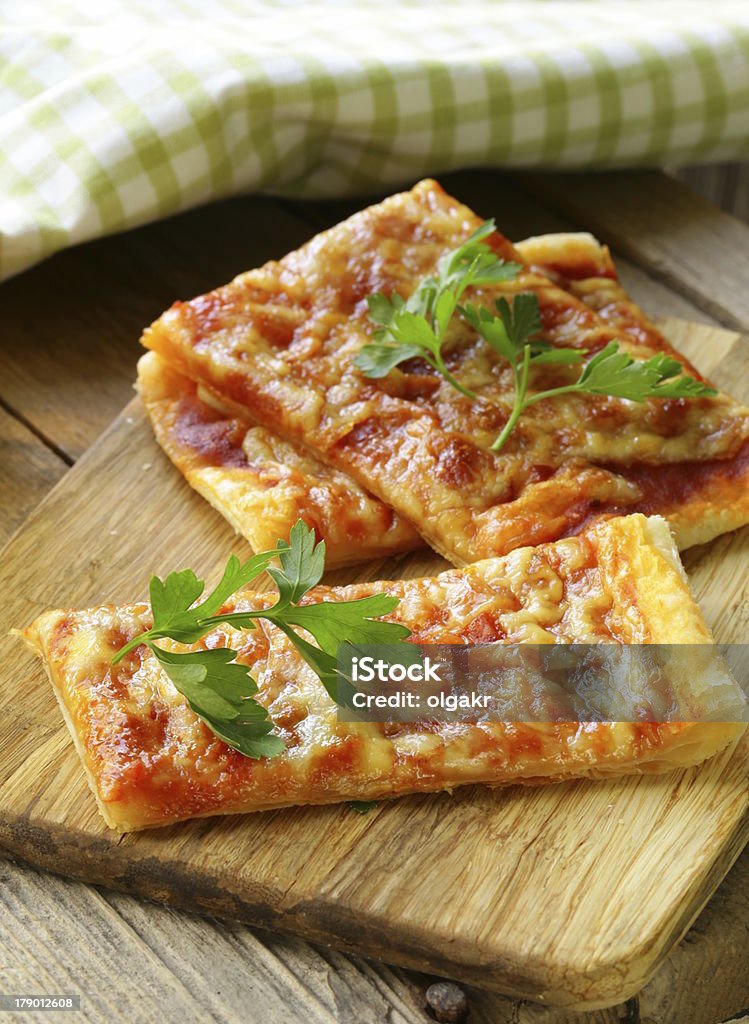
116, 112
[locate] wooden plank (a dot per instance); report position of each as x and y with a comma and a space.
58, 936
103, 294
326, 873
663, 226
142, 963
28, 469
725, 185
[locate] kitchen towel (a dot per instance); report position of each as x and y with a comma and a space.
116, 112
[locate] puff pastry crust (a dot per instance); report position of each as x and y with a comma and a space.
278, 345
261, 483
151, 761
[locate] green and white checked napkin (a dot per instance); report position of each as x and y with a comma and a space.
116, 112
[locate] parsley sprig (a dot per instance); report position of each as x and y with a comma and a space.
417, 326
513, 333
219, 689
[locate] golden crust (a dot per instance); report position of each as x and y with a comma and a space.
279, 342
719, 500
151, 761
261, 483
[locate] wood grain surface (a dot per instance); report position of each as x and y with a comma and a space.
567, 894
140, 963
725, 185
126, 957
28, 470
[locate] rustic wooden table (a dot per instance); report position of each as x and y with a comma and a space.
69, 343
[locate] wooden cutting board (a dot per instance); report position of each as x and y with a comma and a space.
570, 894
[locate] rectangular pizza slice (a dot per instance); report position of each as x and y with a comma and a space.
150, 760
280, 342
262, 484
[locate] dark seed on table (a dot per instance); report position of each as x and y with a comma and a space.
447, 1002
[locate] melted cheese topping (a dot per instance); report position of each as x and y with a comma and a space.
152, 761
280, 342
261, 483
582, 266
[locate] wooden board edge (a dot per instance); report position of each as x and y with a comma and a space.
133, 408
23, 839
696, 899
104, 861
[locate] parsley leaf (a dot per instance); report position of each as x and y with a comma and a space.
171, 598
174, 614
513, 333
521, 320
302, 565
218, 688
516, 325
330, 623
417, 326
378, 360
219, 691
615, 373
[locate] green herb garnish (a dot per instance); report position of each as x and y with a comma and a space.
417, 326
220, 690
362, 806
513, 334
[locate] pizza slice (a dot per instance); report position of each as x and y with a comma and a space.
262, 484
582, 266
280, 342
151, 761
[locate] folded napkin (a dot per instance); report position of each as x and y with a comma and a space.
116, 112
